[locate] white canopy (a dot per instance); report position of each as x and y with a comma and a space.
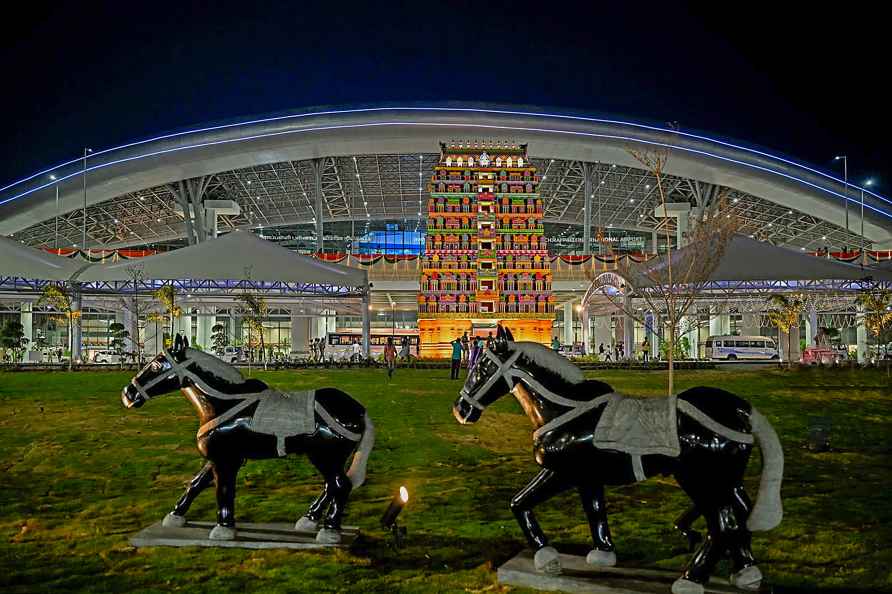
26, 262
237, 256
747, 259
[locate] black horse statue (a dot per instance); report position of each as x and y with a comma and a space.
244, 419
586, 436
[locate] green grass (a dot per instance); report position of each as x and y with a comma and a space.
80, 475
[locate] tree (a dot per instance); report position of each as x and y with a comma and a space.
219, 338
670, 283
255, 312
12, 338
876, 308
58, 297
119, 336
166, 296
784, 315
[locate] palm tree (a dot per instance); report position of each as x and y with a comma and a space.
59, 298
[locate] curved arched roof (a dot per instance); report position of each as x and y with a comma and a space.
336, 134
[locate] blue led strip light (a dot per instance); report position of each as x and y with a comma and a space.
470, 110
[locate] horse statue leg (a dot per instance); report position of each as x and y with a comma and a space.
309, 522
683, 524
199, 483
334, 495
726, 533
745, 574
225, 472
543, 487
603, 553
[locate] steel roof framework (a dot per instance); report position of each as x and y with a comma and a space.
393, 187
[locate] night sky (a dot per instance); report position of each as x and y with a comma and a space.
808, 85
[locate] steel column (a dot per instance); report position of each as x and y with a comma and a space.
587, 210
317, 174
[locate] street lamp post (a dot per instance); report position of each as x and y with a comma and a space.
86, 152
845, 169
867, 183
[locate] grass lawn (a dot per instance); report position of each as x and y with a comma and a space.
80, 475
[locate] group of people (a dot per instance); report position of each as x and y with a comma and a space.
616, 351
390, 354
317, 350
466, 350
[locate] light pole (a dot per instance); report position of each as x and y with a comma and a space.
56, 221
845, 170
86, 152
867, 183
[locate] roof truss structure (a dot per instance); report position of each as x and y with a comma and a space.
393, 187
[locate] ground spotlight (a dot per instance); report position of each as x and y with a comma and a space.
388, 520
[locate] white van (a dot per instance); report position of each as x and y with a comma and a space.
732, 348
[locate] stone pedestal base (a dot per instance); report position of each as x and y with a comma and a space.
580, 578
248, 536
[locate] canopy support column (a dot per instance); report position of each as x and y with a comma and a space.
567, 338
861, 335
811, 325
586, 331
628, 327
76, 338
366, 322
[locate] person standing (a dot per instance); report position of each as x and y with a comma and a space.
390, 356
555, 344
357, 351
404, 349
322, 348
456, 358
607, 356
465, 352
601, 352
475, 352
490, 342
645, 349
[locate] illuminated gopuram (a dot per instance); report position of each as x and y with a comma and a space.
485, 259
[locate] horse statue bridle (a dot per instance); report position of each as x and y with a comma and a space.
504, 371
179, 368
511, 375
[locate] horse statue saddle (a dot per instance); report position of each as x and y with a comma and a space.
285, 414
639, 426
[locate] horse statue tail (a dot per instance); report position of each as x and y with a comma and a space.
768, 510
356, 474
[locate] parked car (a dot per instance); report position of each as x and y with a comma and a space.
106, 357
233, 354
820, 355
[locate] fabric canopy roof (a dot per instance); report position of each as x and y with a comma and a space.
26, 262
237, 256
747, 259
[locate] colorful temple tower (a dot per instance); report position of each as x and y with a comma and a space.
485, 259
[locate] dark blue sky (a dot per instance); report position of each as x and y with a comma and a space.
98, 74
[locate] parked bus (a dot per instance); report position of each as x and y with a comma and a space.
340, 344
732, 348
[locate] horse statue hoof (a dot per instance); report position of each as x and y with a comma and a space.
683, 586
748, 578
172, 520
328, 536
222, 533
305, 524
547, 561
601, 558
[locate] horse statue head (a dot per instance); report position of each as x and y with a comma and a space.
179, 367
545, 383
